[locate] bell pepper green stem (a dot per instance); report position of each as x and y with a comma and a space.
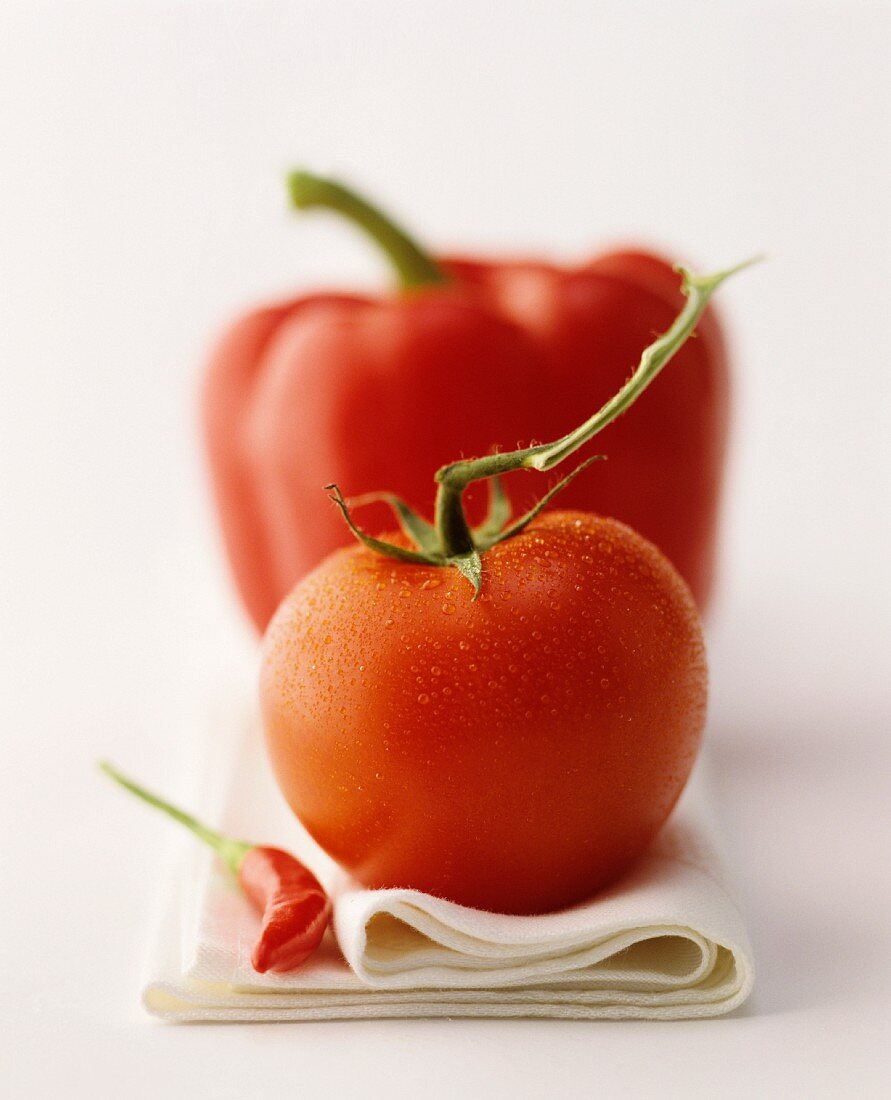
413, 265
232, 852
453, 479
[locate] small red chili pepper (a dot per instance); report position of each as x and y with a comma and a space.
291, 900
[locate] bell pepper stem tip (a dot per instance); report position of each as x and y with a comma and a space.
414, 267
304, 188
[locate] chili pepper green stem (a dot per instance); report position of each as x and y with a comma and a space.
232, 852
413, 265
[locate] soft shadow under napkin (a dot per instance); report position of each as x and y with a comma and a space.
666, 942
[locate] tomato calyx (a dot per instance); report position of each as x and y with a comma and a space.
450, 541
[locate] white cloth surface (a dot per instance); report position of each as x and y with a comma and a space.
666, 942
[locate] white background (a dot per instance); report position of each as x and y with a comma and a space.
142, 148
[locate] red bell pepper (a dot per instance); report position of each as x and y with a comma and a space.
305, 393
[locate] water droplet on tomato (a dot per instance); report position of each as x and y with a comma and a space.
448, 609
423, 698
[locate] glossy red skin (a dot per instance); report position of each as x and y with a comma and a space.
378, 393
516, 753
294, 907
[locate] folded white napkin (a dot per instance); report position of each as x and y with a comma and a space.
667, 942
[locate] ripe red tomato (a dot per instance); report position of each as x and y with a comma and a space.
515, 753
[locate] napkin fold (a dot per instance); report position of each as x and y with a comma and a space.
666, 942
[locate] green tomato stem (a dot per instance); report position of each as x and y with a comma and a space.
232, 852
451, 522
413, 265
